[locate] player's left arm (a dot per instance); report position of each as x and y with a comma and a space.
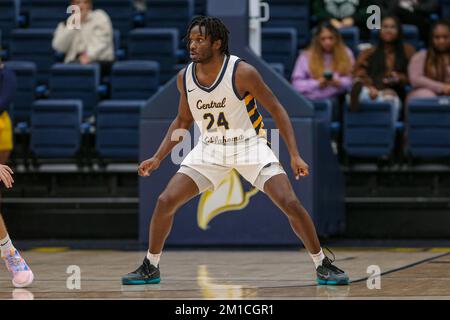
248, 79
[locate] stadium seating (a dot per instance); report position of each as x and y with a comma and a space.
55, 128
118, 51
134, 80
121, 13
34, 45
323, 110
428, 127
445, 9
157, 45
199, 7
9, 11
351, 38
279, 45
25, 6
69, 81
410, 34
48, 13
117, 134
370, 132
291, 14
170, 14
26, 85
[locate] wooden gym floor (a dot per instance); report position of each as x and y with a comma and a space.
276, 274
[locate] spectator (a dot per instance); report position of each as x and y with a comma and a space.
341, 13
93, 42
429, 70
415, 12
381, 71
8, 86
324, 70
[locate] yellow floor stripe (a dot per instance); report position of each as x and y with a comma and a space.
440, 250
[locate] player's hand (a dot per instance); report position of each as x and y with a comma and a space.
146, 167
300, 168
6, 176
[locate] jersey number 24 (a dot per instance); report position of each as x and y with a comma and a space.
221, 121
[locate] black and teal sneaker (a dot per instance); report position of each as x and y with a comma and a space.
328, 274
145, 274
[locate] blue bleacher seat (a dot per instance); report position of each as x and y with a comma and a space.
157, 45
26, 85
369, 132
445, 9
118, 50
9, 12
25, 6
410, 35
428, 127
134, 80
291, 14
351, 37
170, 14
323, 110
55, 128
48, 13
280, 45
117, 134
200, 7
76, 81
121, 13
34, 45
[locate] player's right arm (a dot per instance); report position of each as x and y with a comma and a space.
6, 175
183, 120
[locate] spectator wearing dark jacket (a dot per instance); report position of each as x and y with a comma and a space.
415, 12
380, 72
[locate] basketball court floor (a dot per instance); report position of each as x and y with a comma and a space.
95, 274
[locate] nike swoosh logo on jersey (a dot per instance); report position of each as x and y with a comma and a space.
191, 90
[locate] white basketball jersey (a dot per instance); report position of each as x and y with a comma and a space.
221, 114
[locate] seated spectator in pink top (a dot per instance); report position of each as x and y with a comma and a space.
429, 70
323, 71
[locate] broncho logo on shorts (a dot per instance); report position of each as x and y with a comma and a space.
212, 104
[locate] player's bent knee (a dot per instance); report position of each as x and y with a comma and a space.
166, 202
291, 205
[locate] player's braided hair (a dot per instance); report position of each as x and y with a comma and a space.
214, 27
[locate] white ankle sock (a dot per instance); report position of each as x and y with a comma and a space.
154, 258
317, 258
6, 245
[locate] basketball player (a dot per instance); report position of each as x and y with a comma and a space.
218, 91
22, 275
